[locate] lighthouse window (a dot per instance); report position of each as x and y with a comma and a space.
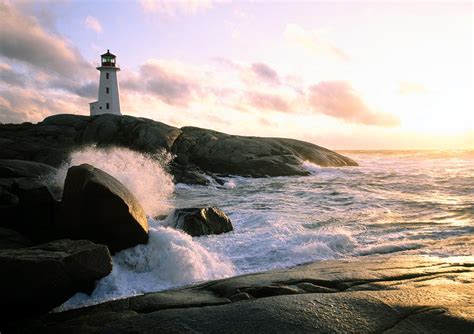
107, 90
107, 106
106, 75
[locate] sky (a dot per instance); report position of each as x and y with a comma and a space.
344, 75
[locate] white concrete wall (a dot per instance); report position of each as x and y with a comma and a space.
112, 97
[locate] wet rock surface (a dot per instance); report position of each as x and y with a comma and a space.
36, 279
198, 151
374, 294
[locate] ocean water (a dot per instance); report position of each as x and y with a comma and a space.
394, 202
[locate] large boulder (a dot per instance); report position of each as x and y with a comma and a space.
37, 279
199, 221
97, 207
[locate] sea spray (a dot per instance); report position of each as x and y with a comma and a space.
311, 167
171, 258
143, 174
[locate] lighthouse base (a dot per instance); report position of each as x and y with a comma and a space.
97, 108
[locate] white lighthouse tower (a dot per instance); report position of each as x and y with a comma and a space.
109, 95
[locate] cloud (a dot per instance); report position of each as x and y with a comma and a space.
406, 88
23, 39
265, 73
93, 24
19, 105
227, 63
87, 89
268, 102
174, 8
338, 99
168, 81
312, 41
10, 77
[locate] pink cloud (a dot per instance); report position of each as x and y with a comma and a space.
338, 99
268, 102
23, 39
173, 8
164, 81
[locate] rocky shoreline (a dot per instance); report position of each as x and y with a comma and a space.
56, 243
374, 294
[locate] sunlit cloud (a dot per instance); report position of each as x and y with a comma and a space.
338, 99
93, 23
19, 105
10, 77
407, 87
169, 81
313, 42
173, 8
34, 46
273, 102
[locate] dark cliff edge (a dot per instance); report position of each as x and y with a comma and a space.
197, 151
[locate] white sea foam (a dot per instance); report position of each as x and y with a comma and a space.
142, 174
171, 258
385, 248
263, 242
311, 167
230, 184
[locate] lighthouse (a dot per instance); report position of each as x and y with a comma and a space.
109, 94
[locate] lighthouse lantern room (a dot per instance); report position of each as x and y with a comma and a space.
109, 95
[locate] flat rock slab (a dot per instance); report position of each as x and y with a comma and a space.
376, 294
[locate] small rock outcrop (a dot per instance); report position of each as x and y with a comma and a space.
37, 279
97, 207
199, 221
